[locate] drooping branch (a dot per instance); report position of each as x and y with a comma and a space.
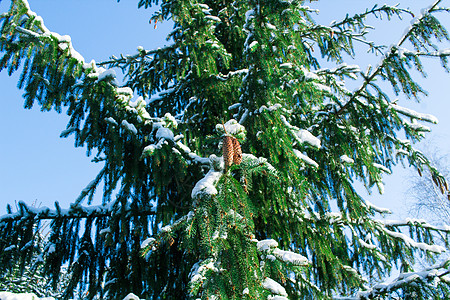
392, 51
436, 273
74, 212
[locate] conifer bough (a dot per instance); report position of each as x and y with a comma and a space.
286, 221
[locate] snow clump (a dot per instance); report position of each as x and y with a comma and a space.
274, 287
232, 127
22, 296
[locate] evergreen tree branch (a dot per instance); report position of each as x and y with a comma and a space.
440, 53
358, 18
416, 222
75, 211
164, 163
386, 58
409, 280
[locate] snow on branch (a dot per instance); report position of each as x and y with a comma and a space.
151, 243
233, 73
342, 69
206, 186
163, 128
381, 167
233, 128
251, 162
192, 155
269, 247
277, 297
91, 70
409, 241
75, 211
389, 10
414, 115
384, 226
131, 296
415, 222
378, 209
199, 274
64, 42
302, 135
437, 272
389, 53
290, 257
270, 108
306, 158
274, 287
403, 52
22, 296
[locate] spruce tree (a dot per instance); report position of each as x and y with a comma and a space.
230, 157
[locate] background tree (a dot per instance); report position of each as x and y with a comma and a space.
234, 167
428, 201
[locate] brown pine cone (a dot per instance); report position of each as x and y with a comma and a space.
228, 151
237, 158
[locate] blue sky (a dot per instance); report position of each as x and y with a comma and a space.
39, 167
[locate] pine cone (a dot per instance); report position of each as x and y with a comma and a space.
228, 151
237, 158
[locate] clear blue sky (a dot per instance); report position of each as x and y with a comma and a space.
38, 166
